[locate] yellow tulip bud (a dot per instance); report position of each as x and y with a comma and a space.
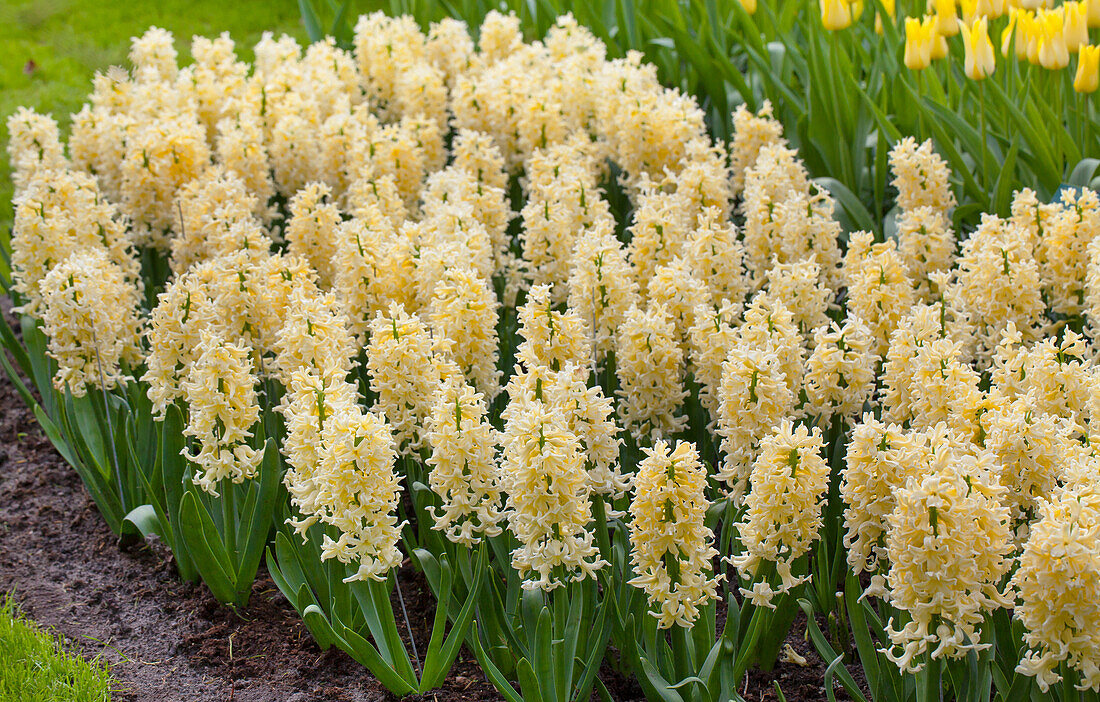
857, 9
918, 48
980, 60
749, 5
836, 14
1088, 69
998, 7
1093, 12
946, 17
1075, 26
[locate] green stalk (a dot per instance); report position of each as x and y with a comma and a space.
599, 515
682, 650
930, 681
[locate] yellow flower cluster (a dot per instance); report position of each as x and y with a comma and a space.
880, 458
544, 477
753, 397
650, 370
670, 544
948, 544
921, 177
34, 145
464, 471
90, 316
552, 338
783, 516
404, 373
57, 214
1058, 589
840, 373
602, 287
217, 217
221, 410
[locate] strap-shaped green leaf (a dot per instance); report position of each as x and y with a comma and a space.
531, 684
259, 515
654, 684
311, 21
597, 649
319, 626
429, 565
102, 492
142, 520
15, 348
543, 653
826, 651
361, 650
1082, 173
204, 543
492, 671
444, 656
439, 625
280, 580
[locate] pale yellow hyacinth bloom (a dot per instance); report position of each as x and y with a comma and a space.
783, 516
1058, 589
464, 471
90, 318
650, 369
671, 547
948, 544
549, 509
222, 408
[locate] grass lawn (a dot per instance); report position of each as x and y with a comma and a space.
33, 668
53, 48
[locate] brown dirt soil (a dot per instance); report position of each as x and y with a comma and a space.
167, 641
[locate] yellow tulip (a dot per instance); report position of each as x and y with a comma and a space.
980, 60
836, 14
749, 5
1053, 54
1094, 12
1075, 27
918, 46
1088, 69
946, 17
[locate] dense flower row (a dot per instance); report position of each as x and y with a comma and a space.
332, 216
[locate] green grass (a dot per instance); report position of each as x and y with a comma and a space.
54, 48
33, 668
